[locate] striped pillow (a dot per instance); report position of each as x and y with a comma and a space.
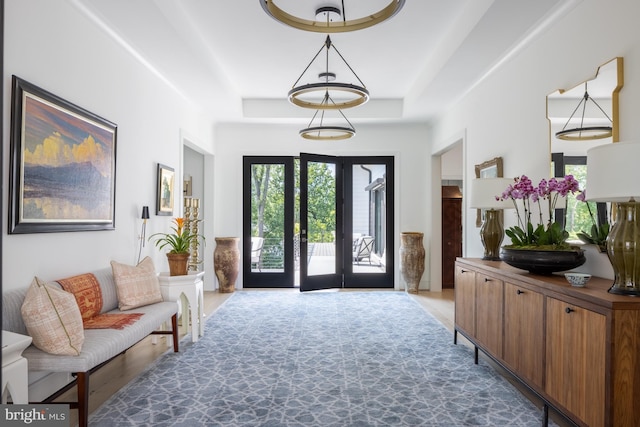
136, 286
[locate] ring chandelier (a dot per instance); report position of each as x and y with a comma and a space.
324, 22
585, 133
357, 94
326, 132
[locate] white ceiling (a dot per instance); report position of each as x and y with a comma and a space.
233, 60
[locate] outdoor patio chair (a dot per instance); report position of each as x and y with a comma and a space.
363, 249
256, 252
356, 241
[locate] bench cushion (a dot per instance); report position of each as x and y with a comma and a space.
101, 345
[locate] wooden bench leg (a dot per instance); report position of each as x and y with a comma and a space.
173, 332
82, 383
174, 327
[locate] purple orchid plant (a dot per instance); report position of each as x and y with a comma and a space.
547, 235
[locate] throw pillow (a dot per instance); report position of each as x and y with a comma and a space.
136, 285
53, 319
86, 289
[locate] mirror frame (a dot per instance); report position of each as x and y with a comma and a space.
615, 104
615, 125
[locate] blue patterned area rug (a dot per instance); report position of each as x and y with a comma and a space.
272, 358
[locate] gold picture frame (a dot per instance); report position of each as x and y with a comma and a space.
490, 169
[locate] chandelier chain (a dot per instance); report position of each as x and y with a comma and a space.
347, 64
305, 70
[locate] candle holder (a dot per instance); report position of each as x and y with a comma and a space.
191, 213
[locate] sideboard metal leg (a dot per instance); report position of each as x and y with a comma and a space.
475, 354
455, 336
545, 415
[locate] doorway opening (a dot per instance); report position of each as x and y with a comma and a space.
451, 215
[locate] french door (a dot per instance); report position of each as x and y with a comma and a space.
338, 211
268, 218
321, 216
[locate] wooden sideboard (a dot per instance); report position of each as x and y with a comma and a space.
577, 348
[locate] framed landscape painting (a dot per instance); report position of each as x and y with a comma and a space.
63, 165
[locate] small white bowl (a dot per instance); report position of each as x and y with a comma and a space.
577, 279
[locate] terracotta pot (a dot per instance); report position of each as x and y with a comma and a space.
226, 259
178, 264
412, 259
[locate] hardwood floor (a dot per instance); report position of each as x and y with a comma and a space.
127, 366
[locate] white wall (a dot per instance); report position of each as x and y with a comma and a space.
505, 114
408, 144
56, 47
451, 163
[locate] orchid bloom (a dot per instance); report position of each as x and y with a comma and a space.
549, 190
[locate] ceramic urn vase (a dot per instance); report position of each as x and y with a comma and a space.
412, 259
226, 259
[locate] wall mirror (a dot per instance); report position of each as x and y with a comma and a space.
580, 118
567, 109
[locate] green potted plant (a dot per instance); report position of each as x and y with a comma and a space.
540, 247
179, 242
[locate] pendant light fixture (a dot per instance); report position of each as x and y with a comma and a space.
347, 95
318, 130
332, 19
582, 132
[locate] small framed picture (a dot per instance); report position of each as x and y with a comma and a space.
165, 190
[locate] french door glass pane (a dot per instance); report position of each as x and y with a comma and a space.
321, 219
369, 221
267, 218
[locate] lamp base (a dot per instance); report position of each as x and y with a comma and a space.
491, 234
623, 249
634, 292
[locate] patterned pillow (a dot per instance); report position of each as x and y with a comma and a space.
53, 319
86, 289
136, 286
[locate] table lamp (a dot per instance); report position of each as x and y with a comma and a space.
613, 175
483, 196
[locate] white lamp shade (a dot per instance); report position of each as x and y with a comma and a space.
613, 172
485, 190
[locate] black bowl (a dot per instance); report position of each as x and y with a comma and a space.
543, 262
